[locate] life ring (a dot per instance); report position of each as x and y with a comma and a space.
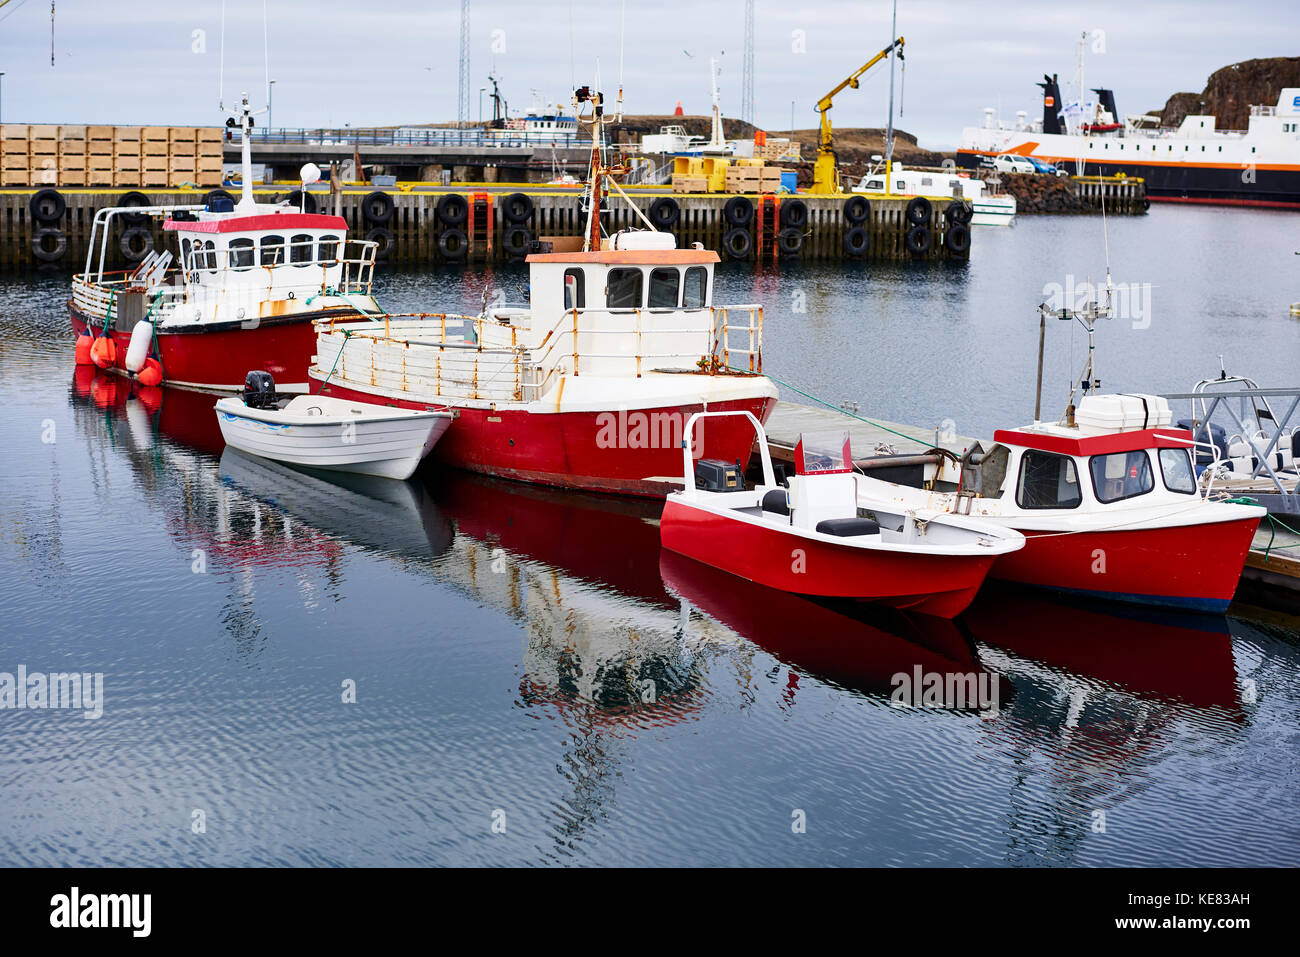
664, 212
453, 244
794, 212
917, 240
48, 206
790, 241
53, 253
856, 241
919, 211
127, 244
453, 209
378, 207
385, 240
738, 211
517, 208
856, 210
957, 238
737, 242
959, 211
515, 241
135, 198
304, 201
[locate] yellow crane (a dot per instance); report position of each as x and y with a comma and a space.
826, 174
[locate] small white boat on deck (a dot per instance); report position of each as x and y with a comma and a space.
323, 432
987, 208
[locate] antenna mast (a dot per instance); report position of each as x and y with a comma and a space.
747, 82
462, 106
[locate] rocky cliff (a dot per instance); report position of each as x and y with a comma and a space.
1231, 92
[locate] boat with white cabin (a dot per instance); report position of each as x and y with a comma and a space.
239, 290
988, 208
588, 384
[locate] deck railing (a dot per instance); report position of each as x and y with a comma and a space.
452, 356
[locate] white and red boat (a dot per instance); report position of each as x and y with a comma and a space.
818, 535
239, 291
1108, 503
589, 384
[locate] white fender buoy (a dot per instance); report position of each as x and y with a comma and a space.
138, 350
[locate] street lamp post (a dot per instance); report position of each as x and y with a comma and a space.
481, 91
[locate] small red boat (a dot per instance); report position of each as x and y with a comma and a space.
240, 291
814, 535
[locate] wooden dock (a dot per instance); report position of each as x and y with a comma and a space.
414, 225
866, 433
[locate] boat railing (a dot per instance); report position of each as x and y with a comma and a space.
475, 359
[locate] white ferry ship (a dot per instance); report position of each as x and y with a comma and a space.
1195, 163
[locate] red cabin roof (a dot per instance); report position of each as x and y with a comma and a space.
631, 257
243, 224
1161, 438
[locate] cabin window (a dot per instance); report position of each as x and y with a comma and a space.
1048, 480
575, 289
1121, 475
664, 286
696, 293
623, 289
1176, 467
241, 253
272, 250
328, 249
301, 248
209, 256
876, 184
186, 245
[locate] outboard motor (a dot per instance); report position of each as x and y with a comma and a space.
259, 390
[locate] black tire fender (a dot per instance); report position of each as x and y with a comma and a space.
517, 208
47, 206
794, 212
790, 241
738, 211
453, 209
453, 244
856, 241
957, 239
378, 207
856, 210
127, 243
39, 238
384, 238
664, 212
737, 243
919, 211
917, 240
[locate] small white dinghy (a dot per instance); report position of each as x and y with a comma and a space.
327, 433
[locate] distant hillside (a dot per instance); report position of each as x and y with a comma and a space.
1231, 91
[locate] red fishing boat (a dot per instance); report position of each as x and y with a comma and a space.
239, 291
588, 384
815, 536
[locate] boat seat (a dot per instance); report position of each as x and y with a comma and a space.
776, 501
847, 527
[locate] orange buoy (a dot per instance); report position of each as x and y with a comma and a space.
84, 343
151, 373
103, 352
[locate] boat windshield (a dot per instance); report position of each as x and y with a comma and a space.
823, 452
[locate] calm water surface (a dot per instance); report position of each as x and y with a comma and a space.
531, 657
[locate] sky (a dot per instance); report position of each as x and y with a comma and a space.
151, 62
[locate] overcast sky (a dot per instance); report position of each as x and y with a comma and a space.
395, 61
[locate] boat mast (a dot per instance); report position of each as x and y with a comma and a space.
591, 239
246, 201
889, 129
716, 142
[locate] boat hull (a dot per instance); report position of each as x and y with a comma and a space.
591, 450
939, 585
219, 355
1196, 567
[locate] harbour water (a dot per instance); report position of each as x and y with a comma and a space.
536, 684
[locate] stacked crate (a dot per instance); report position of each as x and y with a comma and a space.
751, 176
126, 156
72, 156
99, 155
207, 155
13, 155
180, 160
155, 150
43, 155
